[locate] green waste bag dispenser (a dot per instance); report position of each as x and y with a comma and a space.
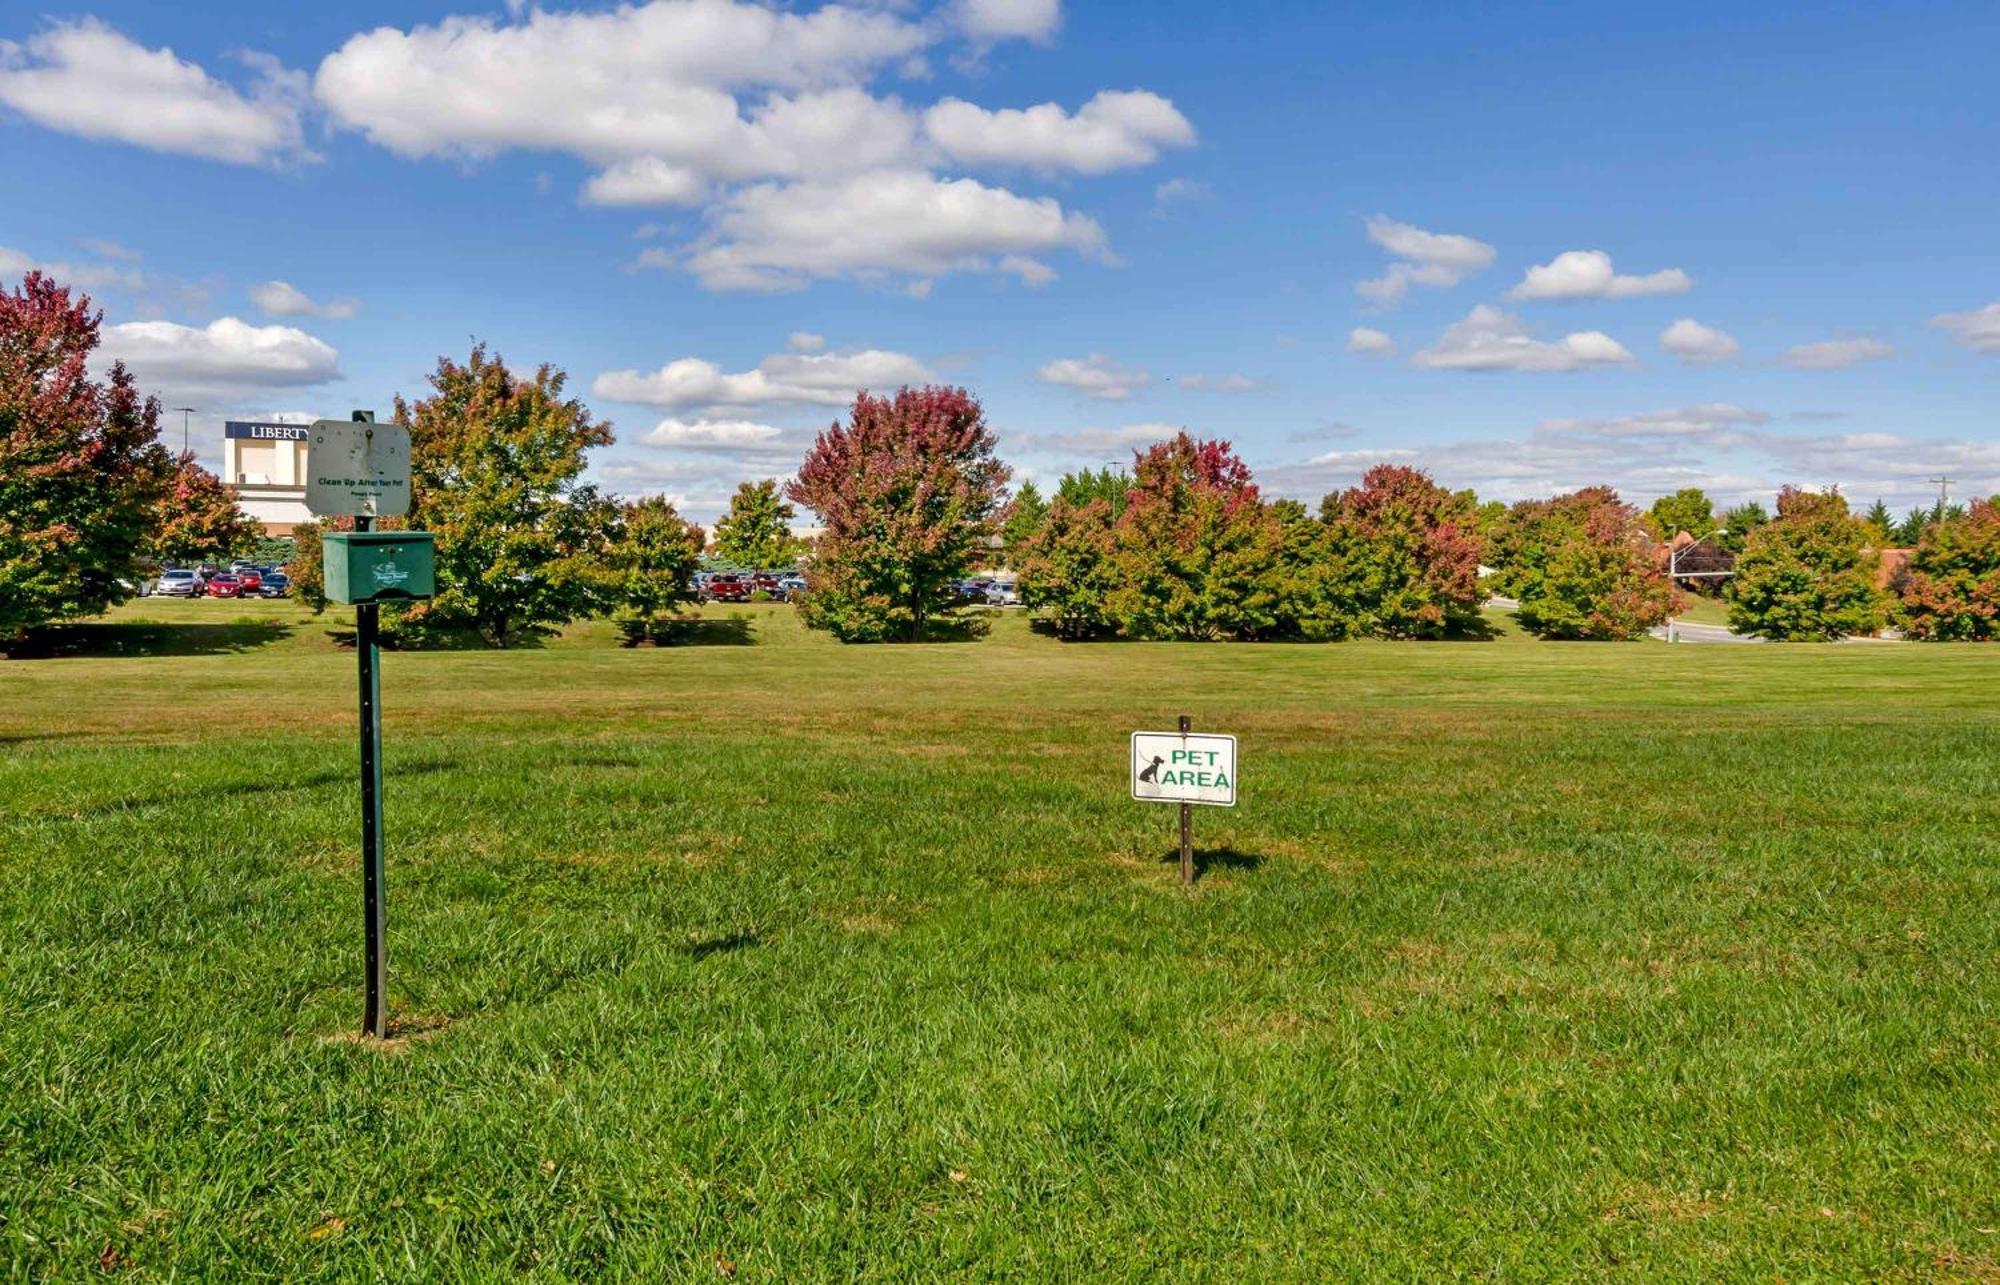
379, 566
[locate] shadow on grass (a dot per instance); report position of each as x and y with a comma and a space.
689, 631
701, 950
1475, 631
138, 638
1206, 859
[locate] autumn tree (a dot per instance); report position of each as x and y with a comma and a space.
495, 462
1409, 554
1687, 509
1881, 524
1196, 547
1069, 568
1579, 568
756, 533
1950, 590
1023, 522
1807, 574
653, 555
81, 467
199, 519
909, 490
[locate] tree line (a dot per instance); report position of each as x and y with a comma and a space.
912, 497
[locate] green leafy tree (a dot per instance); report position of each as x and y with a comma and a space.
654, 554
1108, 484
1739, 522
1409, 554
909, 490
1023, 522
1687, 509
495, 466
307, 567
1807, 574
1069, 568
1950, 590
756, 533
1881, 524
199, 519
81, 467
1315, 596
1580, 569
1196, 547
1909, 533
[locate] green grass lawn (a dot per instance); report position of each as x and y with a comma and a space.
1518, 959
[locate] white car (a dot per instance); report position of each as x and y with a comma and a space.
1004, 593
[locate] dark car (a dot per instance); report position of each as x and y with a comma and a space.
276, 585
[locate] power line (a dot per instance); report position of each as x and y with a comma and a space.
1943, 485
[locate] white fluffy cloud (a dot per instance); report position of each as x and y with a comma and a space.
806, 341
283, 299
1490, 339
910, 223
1836, 354
1368, 340
86, 78
1114, 130
990, 20
1096, 376
1699, 345
226, 355
1978, 330
1422, 258
798, 379
712, 434
639, 80
764, 118
1220, 383
1588, 274
645, 181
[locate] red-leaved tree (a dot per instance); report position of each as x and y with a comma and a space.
909, 490
1197, 549
200, 520
81, 467
1580, 568
1409, 552
1951, 587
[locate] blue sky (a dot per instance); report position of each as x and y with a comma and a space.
1328, 233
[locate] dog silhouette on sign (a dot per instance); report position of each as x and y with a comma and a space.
1151, 774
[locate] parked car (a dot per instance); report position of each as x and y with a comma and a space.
276, 585
791, 587
725, 587
767, 582
178, 584
1004, 593
249, 583
224, 585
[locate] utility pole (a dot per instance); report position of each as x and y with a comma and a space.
1943, 485
185, 412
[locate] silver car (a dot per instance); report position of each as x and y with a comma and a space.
178, 584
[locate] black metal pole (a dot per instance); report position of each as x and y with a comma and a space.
375, 1018
1187, 828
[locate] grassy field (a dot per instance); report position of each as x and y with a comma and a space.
790, 961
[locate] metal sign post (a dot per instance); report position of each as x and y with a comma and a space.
362, 470
367, 619
1181, 767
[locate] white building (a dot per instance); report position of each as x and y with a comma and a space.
266, 463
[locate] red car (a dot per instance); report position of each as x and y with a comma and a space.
225, 586
727, 589
248, 584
